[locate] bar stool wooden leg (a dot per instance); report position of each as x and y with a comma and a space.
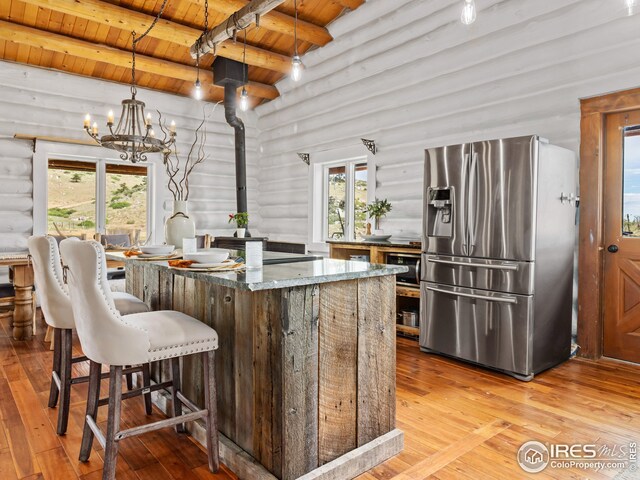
65, 380
92, 409
129, 379
53, 391
146, 382
113, 423
211, 406
177, 405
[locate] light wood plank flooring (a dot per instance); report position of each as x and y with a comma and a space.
460, 422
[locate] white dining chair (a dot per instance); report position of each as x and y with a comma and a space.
109, 338
58, 314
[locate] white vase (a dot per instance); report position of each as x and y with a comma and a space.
240, 232
179, 225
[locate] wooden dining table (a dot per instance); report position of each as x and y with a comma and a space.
23, 310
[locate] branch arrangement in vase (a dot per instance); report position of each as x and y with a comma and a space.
179, 169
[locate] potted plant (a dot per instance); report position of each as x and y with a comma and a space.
242, 220
377, 210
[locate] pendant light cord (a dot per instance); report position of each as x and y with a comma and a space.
295, 27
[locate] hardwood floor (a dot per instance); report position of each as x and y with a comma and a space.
460, 422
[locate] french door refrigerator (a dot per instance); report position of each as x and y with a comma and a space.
497, 260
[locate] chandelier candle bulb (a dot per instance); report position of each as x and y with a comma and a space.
147, 121
152, 134
94, 129
110, 117
172, 127
87, 121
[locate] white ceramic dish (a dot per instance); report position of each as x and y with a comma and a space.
209, 265
207, 256
157, 249
380, 238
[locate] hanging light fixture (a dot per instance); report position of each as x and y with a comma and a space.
133, 136
244, 96
631, 6
468, 15
197, 86
296, 61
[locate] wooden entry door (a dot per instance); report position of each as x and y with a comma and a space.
622, 236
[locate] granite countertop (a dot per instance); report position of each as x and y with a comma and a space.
282, 275
392, 242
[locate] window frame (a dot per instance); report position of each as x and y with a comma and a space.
46, 151
319, 187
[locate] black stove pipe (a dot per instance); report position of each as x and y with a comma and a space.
241, 154
232, 75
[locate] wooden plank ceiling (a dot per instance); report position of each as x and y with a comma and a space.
93, 38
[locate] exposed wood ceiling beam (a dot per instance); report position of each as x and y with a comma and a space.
121, 58
240, 19
352, 4
130, 20
276, 21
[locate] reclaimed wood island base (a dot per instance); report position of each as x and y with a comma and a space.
305, 368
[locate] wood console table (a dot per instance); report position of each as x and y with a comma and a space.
23, 310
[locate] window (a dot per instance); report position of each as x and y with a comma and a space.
74, 186
345, 201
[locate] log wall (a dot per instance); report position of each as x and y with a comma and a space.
42, 102
409, 75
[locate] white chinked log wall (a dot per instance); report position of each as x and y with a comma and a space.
408, 74
46, 103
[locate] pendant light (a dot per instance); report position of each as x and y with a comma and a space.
133, 135
296, 61
244, 97
197, 86
631, 6
468, 15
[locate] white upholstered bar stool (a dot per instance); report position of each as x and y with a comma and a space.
109, 338
56, 307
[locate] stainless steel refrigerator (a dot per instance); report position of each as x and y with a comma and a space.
497, 260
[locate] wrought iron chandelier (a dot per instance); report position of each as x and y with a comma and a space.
133, 136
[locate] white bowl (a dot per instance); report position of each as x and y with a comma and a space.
208, 255
157, 249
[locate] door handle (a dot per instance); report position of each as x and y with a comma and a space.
612, 248
418, 272
473, 295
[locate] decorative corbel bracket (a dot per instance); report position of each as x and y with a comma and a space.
370, 144
305, 157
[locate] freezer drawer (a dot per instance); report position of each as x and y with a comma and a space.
479, 273
488, 328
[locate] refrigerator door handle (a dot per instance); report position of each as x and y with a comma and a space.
472, 202
465, 215
473, 295
503, 266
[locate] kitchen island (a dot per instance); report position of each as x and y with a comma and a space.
305, 368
